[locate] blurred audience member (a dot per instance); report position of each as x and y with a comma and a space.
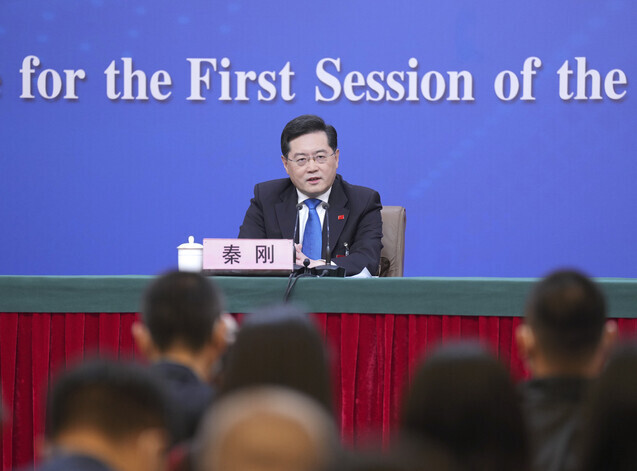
106, 416
419, 453
462, 400
609, 431
183, 335
266, 429
563, 341
279, 346
416, 455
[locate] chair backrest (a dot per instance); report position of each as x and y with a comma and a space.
392, 257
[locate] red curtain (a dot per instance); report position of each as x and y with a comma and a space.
373, 357
33, 348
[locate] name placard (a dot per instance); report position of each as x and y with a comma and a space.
248, 256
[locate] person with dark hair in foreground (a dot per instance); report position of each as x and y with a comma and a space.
609, 431
564, 341
183, 335
310, 157
463, 399
279, 346
106, 416
266, 428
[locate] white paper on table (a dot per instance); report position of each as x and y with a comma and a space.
363, 274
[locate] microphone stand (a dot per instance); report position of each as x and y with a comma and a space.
303, 272
328, 270
297, 269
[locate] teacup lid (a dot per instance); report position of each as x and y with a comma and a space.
191, 244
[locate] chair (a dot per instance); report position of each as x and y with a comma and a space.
392, 257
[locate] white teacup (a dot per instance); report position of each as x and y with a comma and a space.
190, 256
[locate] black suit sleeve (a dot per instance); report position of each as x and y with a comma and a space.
365, 245
253, 226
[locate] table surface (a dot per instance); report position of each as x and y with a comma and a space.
450, 296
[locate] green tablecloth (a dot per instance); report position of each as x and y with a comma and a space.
452, 296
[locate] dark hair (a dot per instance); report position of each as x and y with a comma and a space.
279, 346
609, 429
463, 399
306, 124
567, 312
181, 306
402, 456
115, 398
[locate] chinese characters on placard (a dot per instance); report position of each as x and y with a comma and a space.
231, 254
263, 254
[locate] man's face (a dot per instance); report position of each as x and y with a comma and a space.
312, 179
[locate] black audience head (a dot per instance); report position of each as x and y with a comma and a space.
181, 307
306, 124
279, 346
463, 399
567, 313
118, 400
610, 424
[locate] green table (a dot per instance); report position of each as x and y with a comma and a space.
450, 296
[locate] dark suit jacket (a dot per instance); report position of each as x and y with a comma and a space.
552, 407
354, 217
189, 398
72, 462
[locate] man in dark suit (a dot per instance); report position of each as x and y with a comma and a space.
183, 335
105, 416
564, 341
310, 157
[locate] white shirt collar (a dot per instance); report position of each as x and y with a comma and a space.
324, 197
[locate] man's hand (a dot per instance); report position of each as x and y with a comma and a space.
300, 257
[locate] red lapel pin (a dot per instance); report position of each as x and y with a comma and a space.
341, 217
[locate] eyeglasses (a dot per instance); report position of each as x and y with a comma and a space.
318, 158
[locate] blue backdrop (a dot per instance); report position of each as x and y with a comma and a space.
492, 187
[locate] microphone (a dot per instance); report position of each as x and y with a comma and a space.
296, 230
296, 269
328, 270
299, 206
328, 254
300, 272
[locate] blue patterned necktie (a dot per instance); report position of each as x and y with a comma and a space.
313, 234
